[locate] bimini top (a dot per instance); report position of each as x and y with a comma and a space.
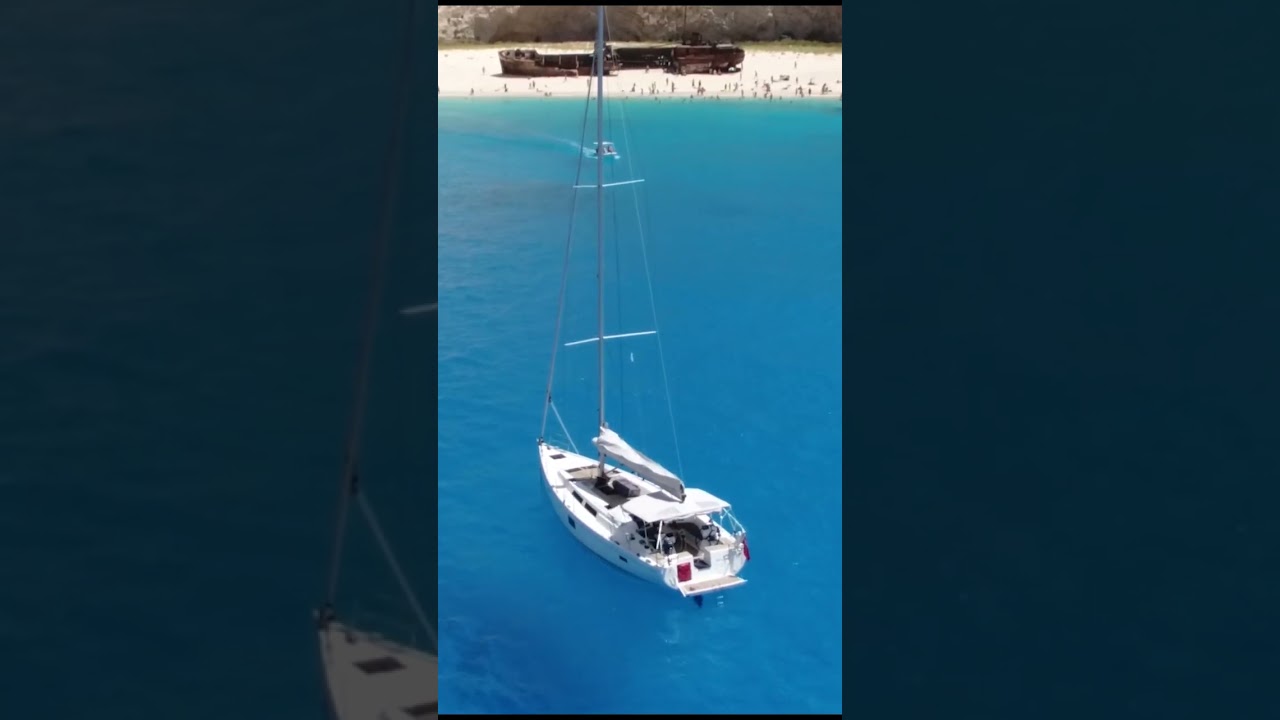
659, 507
612, 445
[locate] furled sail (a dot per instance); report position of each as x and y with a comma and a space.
613, 446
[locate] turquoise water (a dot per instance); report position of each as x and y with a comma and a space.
741, 212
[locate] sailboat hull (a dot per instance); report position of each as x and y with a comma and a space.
616, 543
585, 528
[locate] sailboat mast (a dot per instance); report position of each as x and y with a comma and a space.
599, 65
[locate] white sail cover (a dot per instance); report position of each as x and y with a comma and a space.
655, 509
613, 446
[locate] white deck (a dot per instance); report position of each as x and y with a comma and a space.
603, 521
651, 505
699, 587
372, 678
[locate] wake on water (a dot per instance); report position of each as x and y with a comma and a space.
568, 145
577, 148
508, 134
504, 132
588, 150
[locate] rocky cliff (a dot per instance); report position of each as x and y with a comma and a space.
569, 23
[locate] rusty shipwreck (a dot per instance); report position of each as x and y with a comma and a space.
693, 55
531, 63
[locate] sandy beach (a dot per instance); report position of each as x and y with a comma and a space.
764, 76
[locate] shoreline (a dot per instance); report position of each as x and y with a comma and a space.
493, 100
766, 76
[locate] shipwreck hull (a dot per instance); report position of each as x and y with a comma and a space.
692, 56
686, 59
683, 59
531, 63
644, 58
696, 54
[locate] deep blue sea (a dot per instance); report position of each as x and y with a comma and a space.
741, 217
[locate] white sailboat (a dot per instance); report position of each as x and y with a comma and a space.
622, 505
367, 675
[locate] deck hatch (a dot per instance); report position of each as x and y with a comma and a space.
380, 665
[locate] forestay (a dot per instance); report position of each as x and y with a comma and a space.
613, 446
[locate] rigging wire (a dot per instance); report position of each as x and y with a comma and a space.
653, 306
564, 274
381, 242
640, 220
405, 586
598, 71
617, 269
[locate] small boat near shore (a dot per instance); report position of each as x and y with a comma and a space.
603, 149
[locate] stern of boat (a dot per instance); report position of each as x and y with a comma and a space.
693, 588
714, 569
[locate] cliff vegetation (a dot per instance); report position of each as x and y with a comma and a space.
573, 23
